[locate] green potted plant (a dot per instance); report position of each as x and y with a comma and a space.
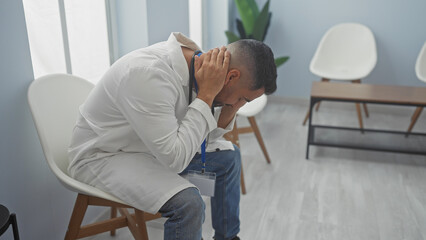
254, 24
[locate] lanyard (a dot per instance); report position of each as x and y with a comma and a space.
193, 81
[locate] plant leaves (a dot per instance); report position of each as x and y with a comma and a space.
281, 60
267, 27
232, 37
253, 5
261, 22
241, 30
248, 12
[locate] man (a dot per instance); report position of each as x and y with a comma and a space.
136, 135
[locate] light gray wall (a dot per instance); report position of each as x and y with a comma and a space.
216, 22
132, 26
144, 22
297, 27
166, 16
27, 186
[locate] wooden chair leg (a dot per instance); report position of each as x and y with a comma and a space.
242, 182
140, 220
77, 216
318, 104
133, 227
253, 124
306, 118
365, 109
414, 119
113, 215
236, 141
317, 107
364, 104
358, 110
233, 137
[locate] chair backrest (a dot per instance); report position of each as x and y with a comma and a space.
421, 64
254, 107
347, 51
54, 102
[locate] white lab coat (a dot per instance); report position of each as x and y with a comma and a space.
136, 131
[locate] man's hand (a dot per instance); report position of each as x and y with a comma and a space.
210, 71
228, 112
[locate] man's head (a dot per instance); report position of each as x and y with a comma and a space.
251, 73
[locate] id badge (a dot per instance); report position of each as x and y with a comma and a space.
205, 182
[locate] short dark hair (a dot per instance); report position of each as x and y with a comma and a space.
262, 63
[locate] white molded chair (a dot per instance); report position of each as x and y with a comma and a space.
346, 52
249, 110
54, 101
421, 75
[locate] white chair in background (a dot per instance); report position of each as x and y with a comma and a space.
421, 75
54, 101
249, 110
346, 52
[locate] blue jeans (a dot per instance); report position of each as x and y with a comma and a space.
185, 210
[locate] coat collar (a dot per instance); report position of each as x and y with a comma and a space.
179, 64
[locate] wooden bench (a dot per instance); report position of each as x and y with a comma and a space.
364, 93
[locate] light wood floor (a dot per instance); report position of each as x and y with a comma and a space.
338, 194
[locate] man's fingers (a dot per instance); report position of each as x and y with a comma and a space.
219, 61
197, 63
207, 56
226, 60
215, 52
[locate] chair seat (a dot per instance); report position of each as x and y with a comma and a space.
254, 107
79, 187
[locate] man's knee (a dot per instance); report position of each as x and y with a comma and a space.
193, 198
191, 203
195, 206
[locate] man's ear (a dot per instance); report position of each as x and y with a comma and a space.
233, 75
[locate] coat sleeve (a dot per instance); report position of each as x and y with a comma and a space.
219, 132
147, 99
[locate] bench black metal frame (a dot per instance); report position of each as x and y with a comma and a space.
322, 91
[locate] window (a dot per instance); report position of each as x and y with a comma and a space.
68, 36
196, 21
